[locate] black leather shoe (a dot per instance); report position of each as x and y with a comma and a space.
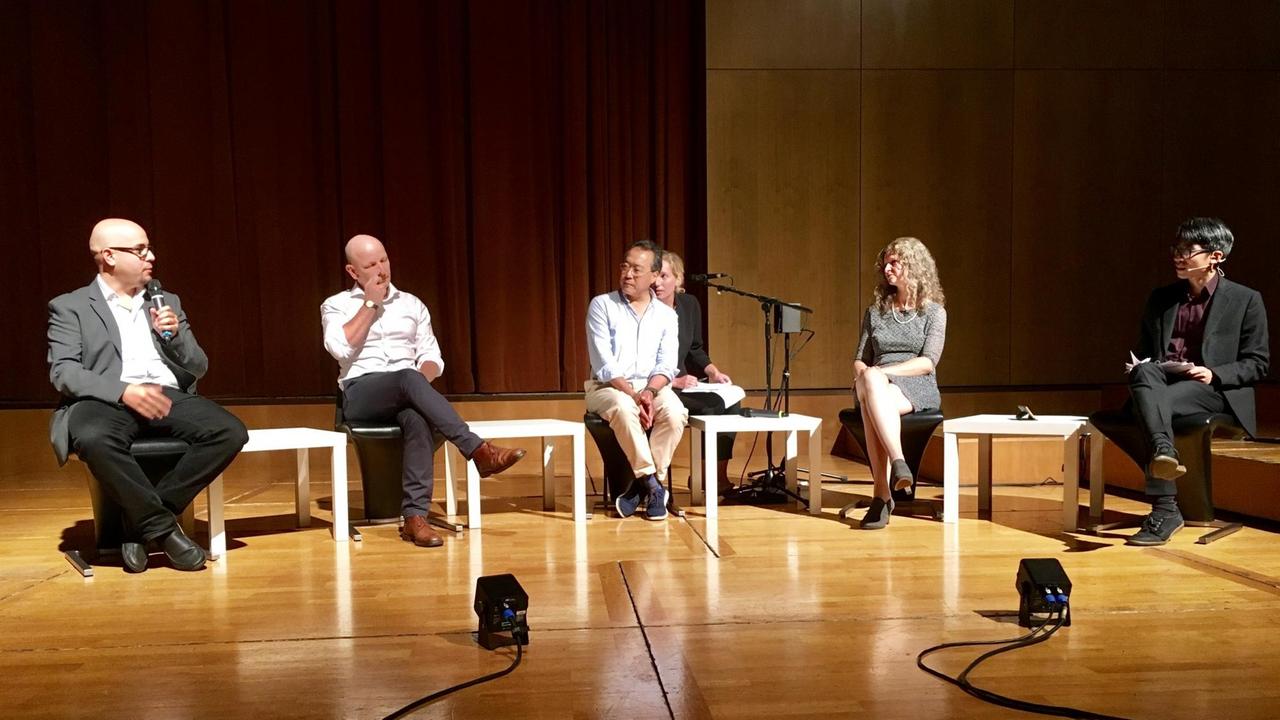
1157, 528
134, 556
182, 551
1165, 464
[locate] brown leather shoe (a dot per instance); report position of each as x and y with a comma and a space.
418, 531
491, 459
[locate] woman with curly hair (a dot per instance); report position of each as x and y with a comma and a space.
903, 332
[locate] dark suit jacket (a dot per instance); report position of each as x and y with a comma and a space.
84, 355
1235, 344
692, 357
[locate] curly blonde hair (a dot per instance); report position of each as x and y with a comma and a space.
921, 275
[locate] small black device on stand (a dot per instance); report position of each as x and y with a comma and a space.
769, 486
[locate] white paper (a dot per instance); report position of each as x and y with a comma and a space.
729, 393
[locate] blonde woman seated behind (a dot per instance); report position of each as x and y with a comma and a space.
902, 337
692, 360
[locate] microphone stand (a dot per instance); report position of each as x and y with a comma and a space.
768, 486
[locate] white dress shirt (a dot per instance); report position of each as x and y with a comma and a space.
400, 338
139, 359
623, 344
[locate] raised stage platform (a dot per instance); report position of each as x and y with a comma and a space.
767, 613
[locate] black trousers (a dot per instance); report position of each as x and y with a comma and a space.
102, 432
1158, 399
712, 404
406, 397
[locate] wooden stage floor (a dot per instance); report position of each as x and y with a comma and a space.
770, 614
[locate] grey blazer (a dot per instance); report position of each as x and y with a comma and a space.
84, 355
1235, 347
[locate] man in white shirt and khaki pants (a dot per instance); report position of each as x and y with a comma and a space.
387, 356
633, 341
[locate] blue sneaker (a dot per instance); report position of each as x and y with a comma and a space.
656, 509
627, 502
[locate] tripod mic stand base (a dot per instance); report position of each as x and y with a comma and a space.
767, 487
755, 495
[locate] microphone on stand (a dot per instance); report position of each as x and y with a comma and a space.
703, 277
156, 295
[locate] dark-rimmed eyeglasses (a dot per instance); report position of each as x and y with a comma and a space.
140, 250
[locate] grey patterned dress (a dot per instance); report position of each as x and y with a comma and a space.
892, 337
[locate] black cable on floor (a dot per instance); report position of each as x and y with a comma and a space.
1037, 635
416, 704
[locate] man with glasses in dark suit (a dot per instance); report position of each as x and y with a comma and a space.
1211, 336
126, 369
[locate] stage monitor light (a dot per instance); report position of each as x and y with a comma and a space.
1043, 588
501, 605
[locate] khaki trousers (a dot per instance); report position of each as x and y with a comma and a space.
648, 455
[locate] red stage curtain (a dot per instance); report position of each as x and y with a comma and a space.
506, 151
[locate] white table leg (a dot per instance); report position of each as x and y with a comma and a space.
709, 463
1071, 482
450, 490
789, 463
815, 470
548, 474
217, 525
302, 490
984, 473
695, 466
338, 469
473, 496
579, 476
1097, 485
950, 477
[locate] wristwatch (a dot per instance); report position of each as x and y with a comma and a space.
371, 304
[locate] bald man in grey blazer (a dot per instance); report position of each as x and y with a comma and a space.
127, 370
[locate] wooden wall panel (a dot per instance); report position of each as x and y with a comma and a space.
1237, 34
1089, 34
937, 34
782, 188
1088, 235
762, 34
936, 164
1222, 158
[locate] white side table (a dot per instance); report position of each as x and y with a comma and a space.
1067, 427
301, 440
546, 428
707, 427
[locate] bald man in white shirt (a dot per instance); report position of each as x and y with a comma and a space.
387, 357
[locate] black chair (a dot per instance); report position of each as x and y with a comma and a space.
380, 453
917, 428
1193, 438
618, 474
156, 456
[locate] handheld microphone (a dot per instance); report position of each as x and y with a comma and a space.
156, 295
703, 277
